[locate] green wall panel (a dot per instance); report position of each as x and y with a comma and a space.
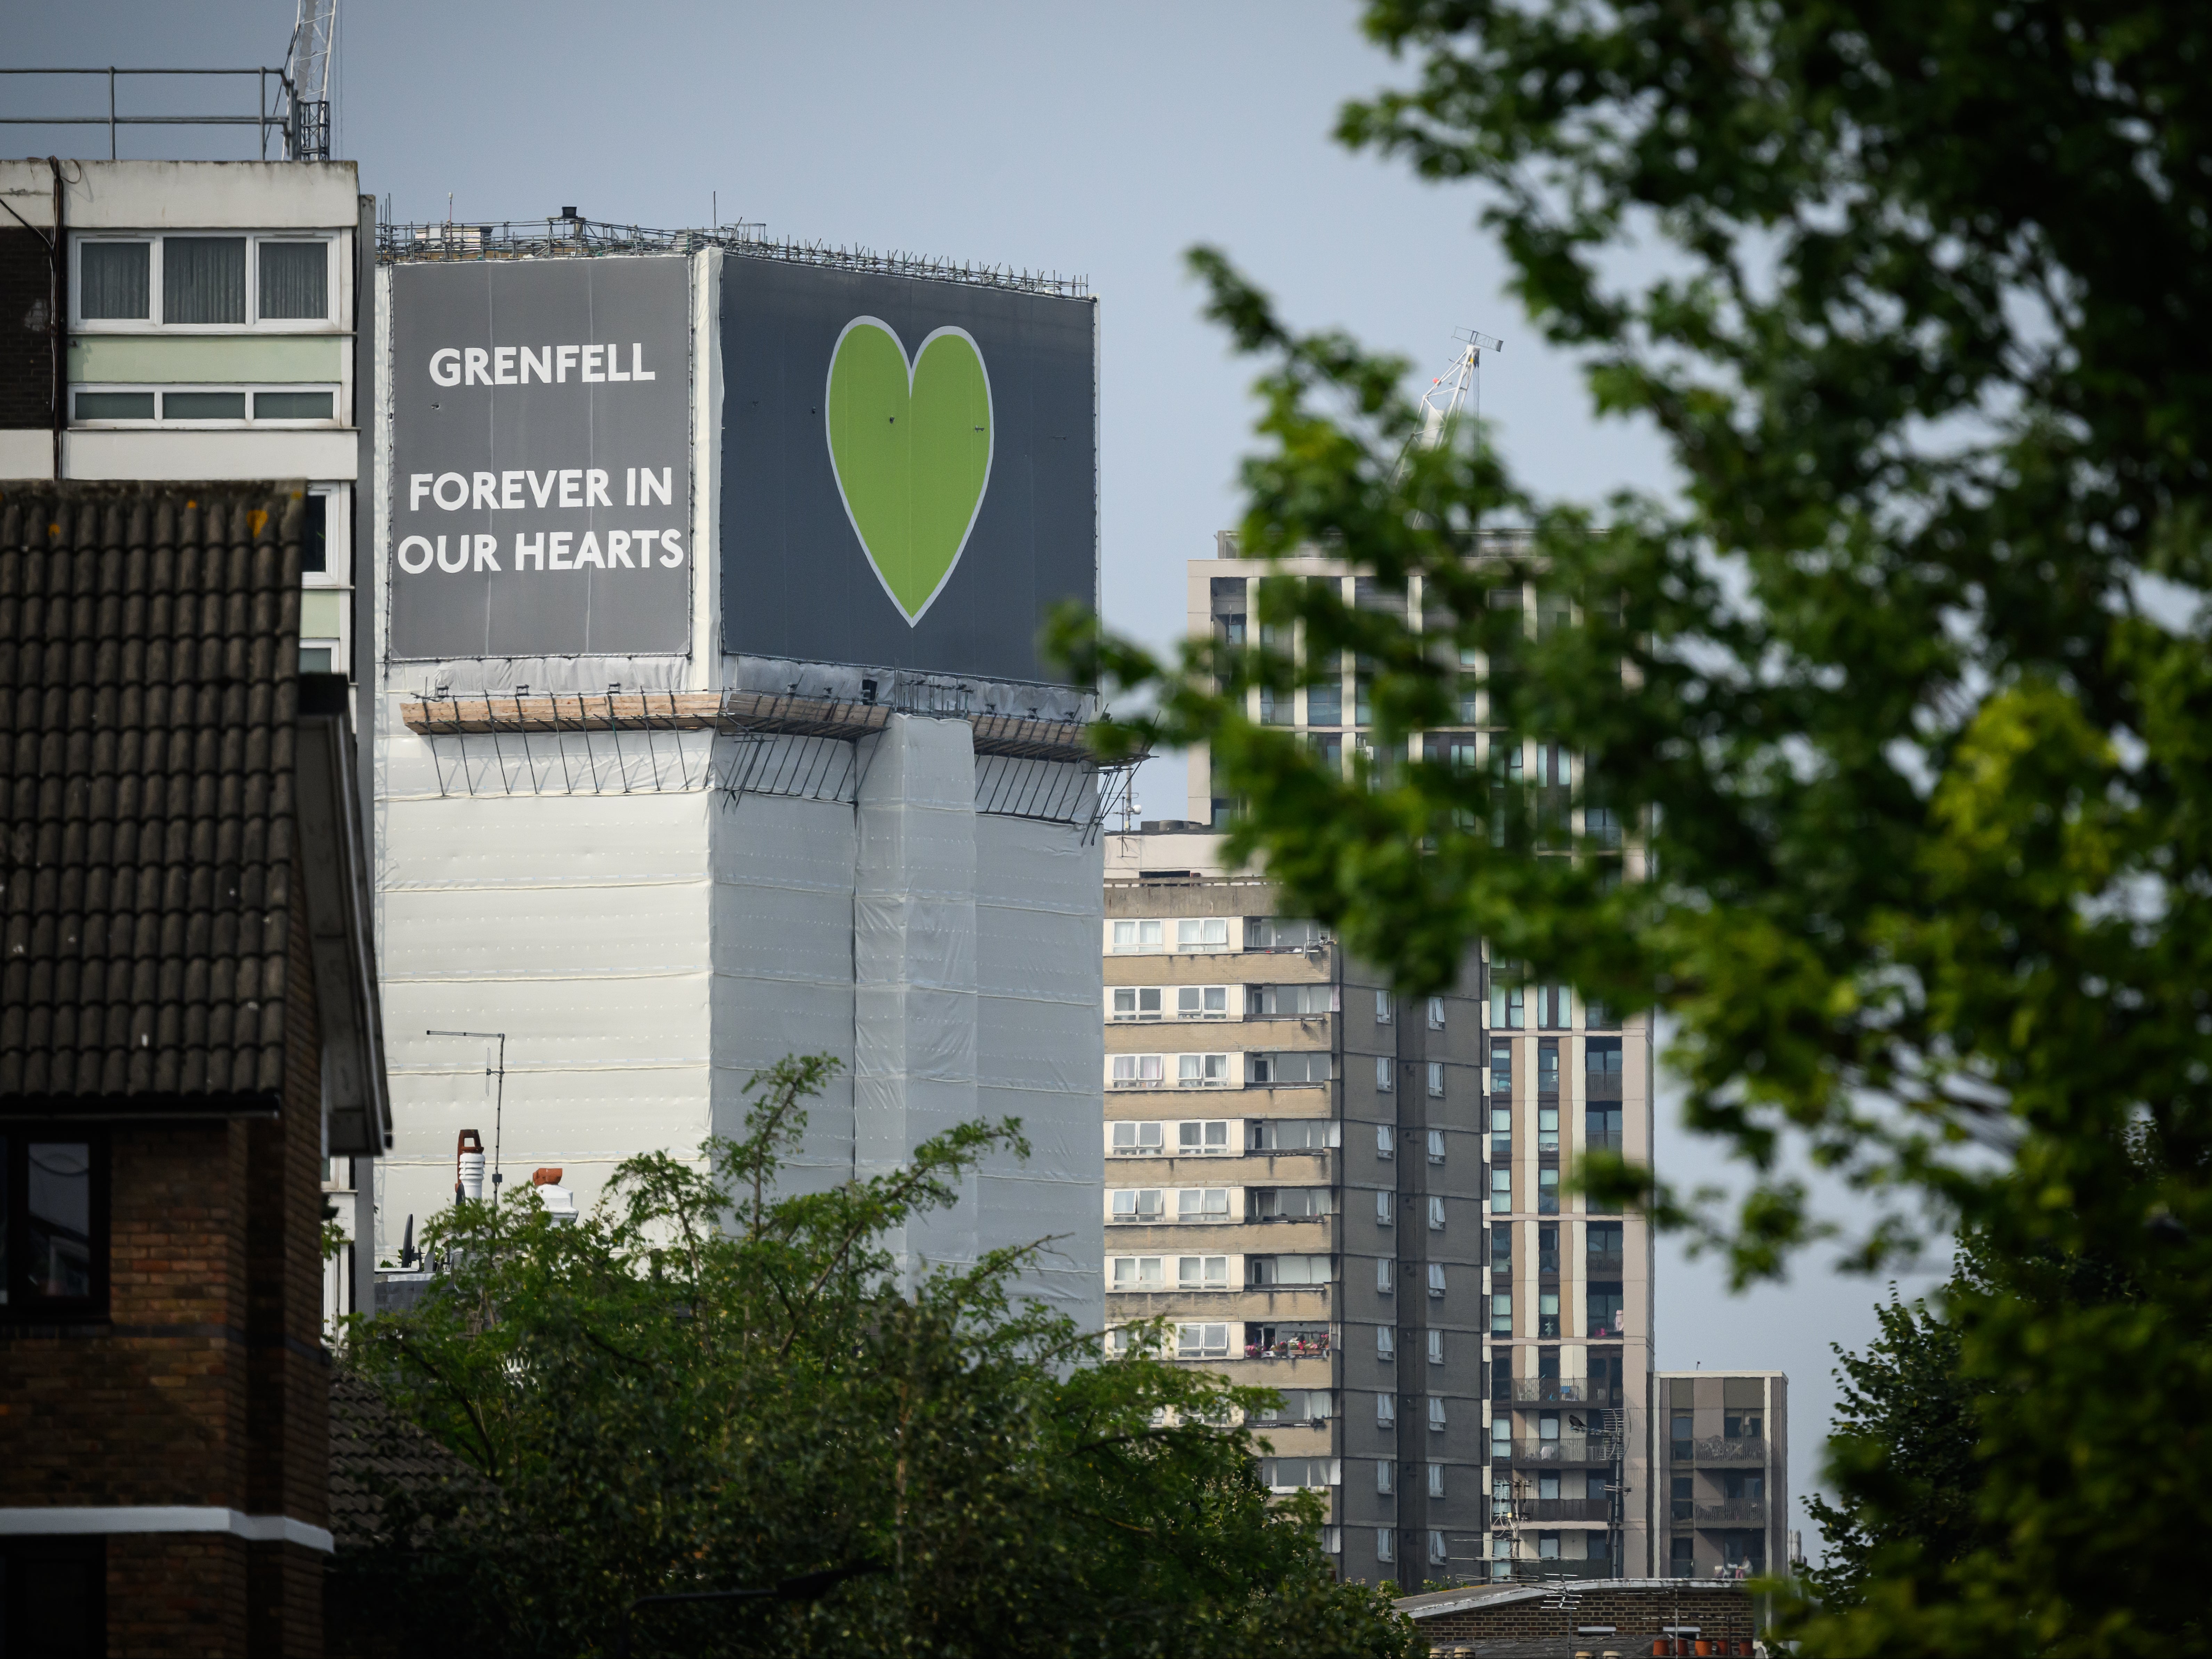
169, 360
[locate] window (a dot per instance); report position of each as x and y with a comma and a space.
1744, 1486
1202, 1204
1435, 1213
1201, 1273
53, 1224
1508, 1007
204, 279
1436, 1278
1135, 1272
1501, 1067
1385, 1213
1135, 1002
1332, 1541
1385, 1073
295, 281
1547, 1425
1547, 1129
1606, 1316
1501, 1435
53, 1596
1386, 1544
1385, 1279
1733, 1427
1202, 1071
1386, 1141
1435, 1347
1297, 1474
1325, 704
1202, 933
1436, 1014
1548, 1192
1382, 1008
1295, 1135
1201, 1002
1501, 1132
114, 282
1137, 1205
1435, 1413
1547, 1314
1386, 1477
1554, 1007
1678, 1432
1548, 1546
1437, 1079
1596, 1016
1501, 1247
1262, 1272
1438, 1553
1501, 1313
1138, 1071
1302, 1406
1279, 932
1289, 1002
1292, 1067
1602, 1244
1136, 1139
1501, 1190
1681, 1562
1548, 1065
1201, 1341
1137, 935
1292, 1203
1386, 1342
1601, 1126
1203, 1139
1385, 1411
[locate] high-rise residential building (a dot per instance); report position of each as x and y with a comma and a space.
1725, 1466
1494, 1091
1295, 1180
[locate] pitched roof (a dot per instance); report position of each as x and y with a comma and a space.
378, 1455
149, 669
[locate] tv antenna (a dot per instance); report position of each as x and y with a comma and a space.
1459, 386
496, 1076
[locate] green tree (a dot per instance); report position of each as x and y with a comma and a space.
708, 1384
1900, 1454
1900, 702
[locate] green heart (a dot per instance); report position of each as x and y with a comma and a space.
912, 450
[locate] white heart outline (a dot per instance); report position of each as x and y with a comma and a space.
990, 457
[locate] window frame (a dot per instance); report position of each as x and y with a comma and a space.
19, 1308
338, 279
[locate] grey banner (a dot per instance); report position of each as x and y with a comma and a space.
541, 439
797, 579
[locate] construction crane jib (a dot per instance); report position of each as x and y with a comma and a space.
307, 80
1458, 388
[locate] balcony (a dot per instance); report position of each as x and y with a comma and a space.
1717, 1448
1736, 1512
1573, 1449
1527, 1391
1603, 1264
1536, 1511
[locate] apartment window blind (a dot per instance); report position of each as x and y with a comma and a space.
203, 278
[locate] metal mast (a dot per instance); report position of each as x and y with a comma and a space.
307, 82
1458, 385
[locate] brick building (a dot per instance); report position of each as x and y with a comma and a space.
1605, 1617
188, 1033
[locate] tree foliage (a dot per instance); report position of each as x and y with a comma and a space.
1905, 690
709, 1382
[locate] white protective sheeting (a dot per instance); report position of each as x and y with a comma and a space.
577, 924
782, 950
913, 966
1039, 902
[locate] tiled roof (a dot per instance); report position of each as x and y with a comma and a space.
377, 1456
148, 672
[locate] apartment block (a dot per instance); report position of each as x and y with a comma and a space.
1561, 1351
1726, 1465
1295, 1180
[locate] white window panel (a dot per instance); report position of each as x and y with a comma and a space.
1136, 1139
1201, 1273
1136, 1204
1386, 1142
1202, 1138
1202, 1204
1209, 933
1385, 1073
1137, 1071
1201, 1002
1134, 937
1202, 1341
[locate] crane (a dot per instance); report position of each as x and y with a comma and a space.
307, 80
1459, 384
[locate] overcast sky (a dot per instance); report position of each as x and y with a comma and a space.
1103, 140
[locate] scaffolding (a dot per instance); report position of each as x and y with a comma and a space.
568, 234
745, 743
